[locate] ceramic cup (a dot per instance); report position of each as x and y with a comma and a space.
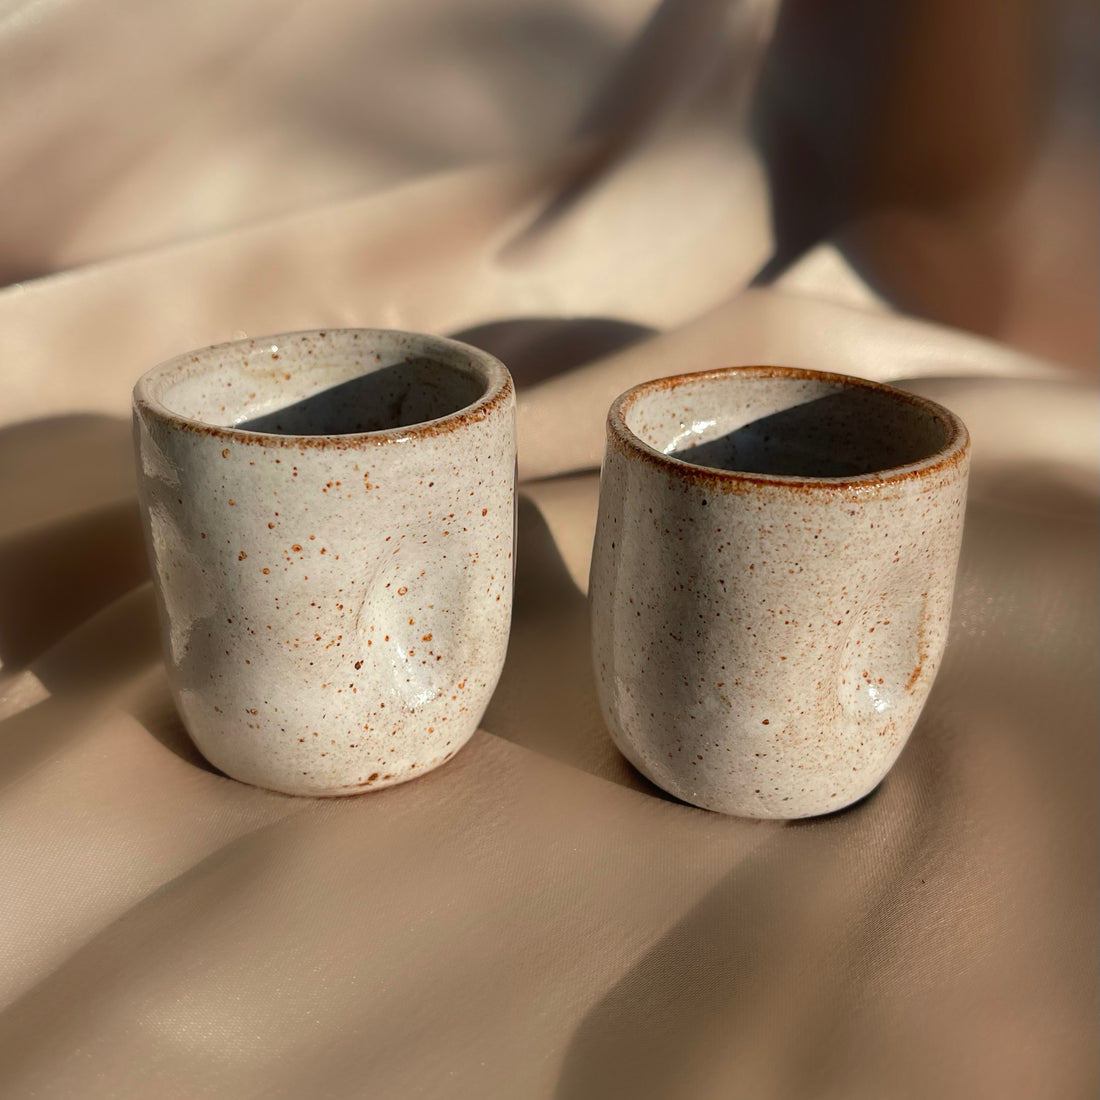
330, 521
771, 582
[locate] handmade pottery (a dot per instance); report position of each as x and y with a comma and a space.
330, 521
771, 582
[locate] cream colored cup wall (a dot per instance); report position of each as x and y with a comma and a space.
330, 520
764, 640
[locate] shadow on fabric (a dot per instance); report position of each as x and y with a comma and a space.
546, 698
75, 543
704, 1007
76, 605
536, 348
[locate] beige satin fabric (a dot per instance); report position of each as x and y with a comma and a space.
534, 919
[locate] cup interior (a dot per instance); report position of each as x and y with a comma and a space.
784, 422
333, 382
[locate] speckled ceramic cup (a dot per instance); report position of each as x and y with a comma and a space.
771, 582
330, 520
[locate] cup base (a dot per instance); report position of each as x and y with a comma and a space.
775, 807
374, 782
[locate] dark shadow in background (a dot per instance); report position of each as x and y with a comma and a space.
546, 699
814, 115
156, 712
58, 466
54, 578
75, 603
538, 68
537, 348
683, 48
637, 1040
56, 574
634, 1041
902, 132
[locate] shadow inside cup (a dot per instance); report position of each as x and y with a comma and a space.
395, 396
843, 434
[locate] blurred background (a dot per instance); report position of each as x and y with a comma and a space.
947, 151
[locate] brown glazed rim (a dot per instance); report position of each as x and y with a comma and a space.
954, 449
499, 390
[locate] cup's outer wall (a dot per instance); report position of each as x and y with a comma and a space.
765, 649
334, 618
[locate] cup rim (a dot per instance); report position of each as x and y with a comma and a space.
499, 389
950, 454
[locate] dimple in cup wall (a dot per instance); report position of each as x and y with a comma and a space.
330, 520
771, 582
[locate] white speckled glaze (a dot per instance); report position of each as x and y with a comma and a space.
330, 519
771, 582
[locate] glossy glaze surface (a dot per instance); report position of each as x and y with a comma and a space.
330, 523
771, 582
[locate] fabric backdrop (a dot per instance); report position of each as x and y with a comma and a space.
598, 191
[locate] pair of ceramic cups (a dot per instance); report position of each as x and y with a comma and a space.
331, 521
